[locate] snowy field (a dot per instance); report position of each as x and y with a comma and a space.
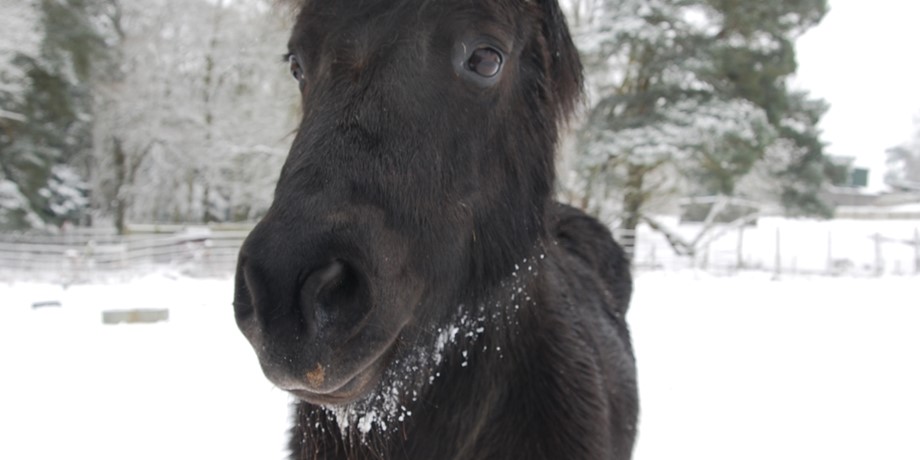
731, 368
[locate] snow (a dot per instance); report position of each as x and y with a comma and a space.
803, 368
18, 21
687, 126
729, 367
189, 388
10, 196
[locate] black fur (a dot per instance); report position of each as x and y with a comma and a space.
413, 284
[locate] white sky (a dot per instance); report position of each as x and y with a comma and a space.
864, 60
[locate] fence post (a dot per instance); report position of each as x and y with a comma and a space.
917, 251
740, 263
704, 264
879, 263
653, 255
627, 240
777, 264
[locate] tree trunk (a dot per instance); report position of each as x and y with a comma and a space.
206, 204
121, 178
633, 201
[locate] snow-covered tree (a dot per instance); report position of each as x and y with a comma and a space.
687, 97
154, 110
903, 164
48, 111
20, 37
192, 125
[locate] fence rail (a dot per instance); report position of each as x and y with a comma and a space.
81, 254
776, 245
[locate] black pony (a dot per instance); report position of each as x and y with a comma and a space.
414, 285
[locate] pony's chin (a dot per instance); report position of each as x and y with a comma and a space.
353, 387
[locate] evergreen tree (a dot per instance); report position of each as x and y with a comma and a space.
758, 71
689, 97
192, 125
44, 153
18, 20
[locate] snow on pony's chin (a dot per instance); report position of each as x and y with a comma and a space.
387, 404
407, 373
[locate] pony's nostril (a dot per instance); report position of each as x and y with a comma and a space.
329, 293
330, 276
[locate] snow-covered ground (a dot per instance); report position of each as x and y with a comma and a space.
190, 388
731, 368
802, 368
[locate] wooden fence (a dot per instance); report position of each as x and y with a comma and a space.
79, 254
777, 245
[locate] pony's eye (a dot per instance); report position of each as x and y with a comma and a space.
486, 62
296, 69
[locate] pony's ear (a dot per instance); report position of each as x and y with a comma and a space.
564, 65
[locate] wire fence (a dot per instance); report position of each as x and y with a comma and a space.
839, 247
780, 246
86, 254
